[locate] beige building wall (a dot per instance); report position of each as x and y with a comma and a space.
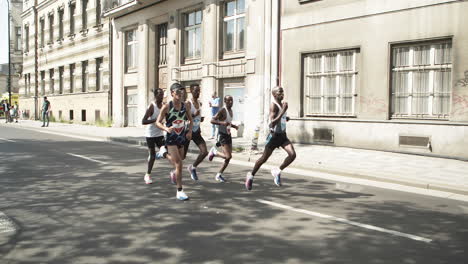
242, 72
374, 29
88, 45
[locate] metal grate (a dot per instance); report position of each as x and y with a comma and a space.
414, 141
323, 135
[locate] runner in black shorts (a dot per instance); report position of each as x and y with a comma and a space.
175, 114
223, 119
276, 138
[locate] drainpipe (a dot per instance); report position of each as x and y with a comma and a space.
109, 110
278, 77
36, 64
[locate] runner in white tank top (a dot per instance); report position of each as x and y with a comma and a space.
154, 135
197, 117
223, 119
276, 138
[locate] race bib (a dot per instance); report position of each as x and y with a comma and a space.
178, 126
196, 123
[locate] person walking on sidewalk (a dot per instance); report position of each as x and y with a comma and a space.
45, 112
223, 119
197, 138
154, 135
214, 104
175, 114
276, 138
6, 110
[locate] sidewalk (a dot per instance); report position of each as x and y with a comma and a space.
410, 170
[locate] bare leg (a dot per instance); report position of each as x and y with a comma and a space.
201, 156
226, 155
291, 155
152, 153
265, 156
176, 160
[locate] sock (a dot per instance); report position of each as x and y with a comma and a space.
179, 189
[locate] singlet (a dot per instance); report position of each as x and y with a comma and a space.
226, 129
280, 127
176, 118
196, 119
151, 129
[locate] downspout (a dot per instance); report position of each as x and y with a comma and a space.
278, 77
36, 65
109, 98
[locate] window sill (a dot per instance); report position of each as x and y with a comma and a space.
233, 55
131, 71
420, 118
329, 116
190, 61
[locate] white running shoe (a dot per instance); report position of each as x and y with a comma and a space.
219, 177
181, 195
276, 173
212, 153
161, 152
148, 179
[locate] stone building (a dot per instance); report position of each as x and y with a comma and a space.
16, 55
66, 58
386, 75
227, 47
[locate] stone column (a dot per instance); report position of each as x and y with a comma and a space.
117, 76
143, 49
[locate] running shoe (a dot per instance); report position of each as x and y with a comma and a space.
181, 195
161, 152
193, 172
212, 153
172, 176
276, 172
249, 181
219, 177
148, 179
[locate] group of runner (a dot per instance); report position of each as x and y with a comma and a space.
173, 125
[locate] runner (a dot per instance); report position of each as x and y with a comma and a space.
175, 114
223, 118
154, 135
276, 138
196, 134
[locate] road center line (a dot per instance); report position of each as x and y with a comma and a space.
345, 221
86, 158
9, 140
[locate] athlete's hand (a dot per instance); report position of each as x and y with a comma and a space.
188, 135
234, 126
285, 106
169, 130
196, 112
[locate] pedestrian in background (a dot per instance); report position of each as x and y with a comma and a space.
214, 104
45, 112
6, 110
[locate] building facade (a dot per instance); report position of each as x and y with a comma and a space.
16, 55
385, 75
66, 58
225, 46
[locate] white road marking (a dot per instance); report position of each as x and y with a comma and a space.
6, 225
9, 140
345, 221
86, 158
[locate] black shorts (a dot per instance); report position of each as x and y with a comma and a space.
224, 139
197, 138
276, 140
152, 142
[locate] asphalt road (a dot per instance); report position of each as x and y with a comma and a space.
63, 208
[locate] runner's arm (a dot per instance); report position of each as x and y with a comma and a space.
149, 112
161, 117
188, 105
273, 116
219, 117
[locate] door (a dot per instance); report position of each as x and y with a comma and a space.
131, 106
236, 89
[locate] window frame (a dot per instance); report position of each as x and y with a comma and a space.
235, 18
61, 79
72, 69
51, 28
42, 32
61, 14
134, 49
18, 43
335, 73
415, 106
72, 11
192, 29
51, 81
26, 36
99, 70
84, 76
98, 12
84, 15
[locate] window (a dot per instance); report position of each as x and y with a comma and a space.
421, 80
18, 38
98, 12
162, 56
84, 76
192, 36
61, 73
330, 83
131, 50
234, 26
42, 28
51, 81
72, 77
60, 17
26, 35
42, 82
26, 85
98, 74
84, 14
72, 8
51, 29
83, 115
29, 83
71, 115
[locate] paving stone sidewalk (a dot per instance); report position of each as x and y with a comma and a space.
412, 170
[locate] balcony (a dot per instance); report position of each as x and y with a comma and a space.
112, 8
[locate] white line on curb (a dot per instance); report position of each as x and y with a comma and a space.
9, 140
86, 158
345, 221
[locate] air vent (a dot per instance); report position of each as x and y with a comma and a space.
414, 141
323, 135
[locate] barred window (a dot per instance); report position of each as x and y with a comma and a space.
330, 83
421, 80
